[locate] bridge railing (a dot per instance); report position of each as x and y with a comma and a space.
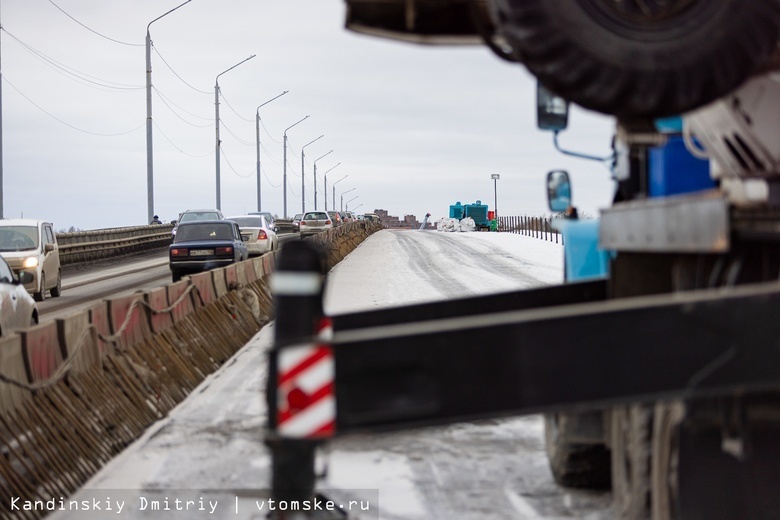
86, 246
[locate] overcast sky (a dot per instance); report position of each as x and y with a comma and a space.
414, 128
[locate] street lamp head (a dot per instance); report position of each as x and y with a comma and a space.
233, 67
169, 12
321, 156
310, 142
332, 168
292, 125
280, 95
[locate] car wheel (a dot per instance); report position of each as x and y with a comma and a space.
57, 289
635, 58
41, 295
176, 276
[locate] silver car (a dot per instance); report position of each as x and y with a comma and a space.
192, 215
315, 222
256, 233
17, 308
31, 246
268, 217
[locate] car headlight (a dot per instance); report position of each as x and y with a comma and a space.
30, 261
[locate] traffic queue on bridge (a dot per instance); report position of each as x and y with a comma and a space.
206, 245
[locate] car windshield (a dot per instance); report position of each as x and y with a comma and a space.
316, 216
199, 215
248, 221
205, 231
18, 238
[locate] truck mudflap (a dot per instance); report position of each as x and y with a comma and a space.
562, 348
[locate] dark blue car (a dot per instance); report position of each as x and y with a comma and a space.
203, 245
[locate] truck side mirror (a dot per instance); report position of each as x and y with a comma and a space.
558, 190
552, 112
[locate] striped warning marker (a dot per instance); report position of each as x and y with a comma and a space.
307, 401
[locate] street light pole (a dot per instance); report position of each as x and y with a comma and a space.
303, 176
315, 178
495, 178
350, 200
285, 164
257, 132
216, 110
334, 192
149, 152
342, 198
326, 191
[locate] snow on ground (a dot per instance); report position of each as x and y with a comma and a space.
210, 448
396, 268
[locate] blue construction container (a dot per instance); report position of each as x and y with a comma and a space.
479, 212
456, 210
674, 170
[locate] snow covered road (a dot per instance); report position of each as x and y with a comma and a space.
211, 445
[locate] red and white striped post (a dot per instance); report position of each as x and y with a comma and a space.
300, 388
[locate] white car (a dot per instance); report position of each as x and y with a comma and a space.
31, 246
315, 222
17, 308
257, 233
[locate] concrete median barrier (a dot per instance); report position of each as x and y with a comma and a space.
220, 283
206, 292
98, 317
80, 341
12, 368
259, 264
231, 276
159, 312
246, 272
42, 351
129, 319
180, 298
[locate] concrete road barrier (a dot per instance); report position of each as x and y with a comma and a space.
41, 351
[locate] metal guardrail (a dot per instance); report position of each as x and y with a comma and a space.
86, 246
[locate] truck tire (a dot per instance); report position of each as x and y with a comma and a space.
631, 462
574, 464
665, 451
633, 58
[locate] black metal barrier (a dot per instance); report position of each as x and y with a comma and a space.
562, 357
